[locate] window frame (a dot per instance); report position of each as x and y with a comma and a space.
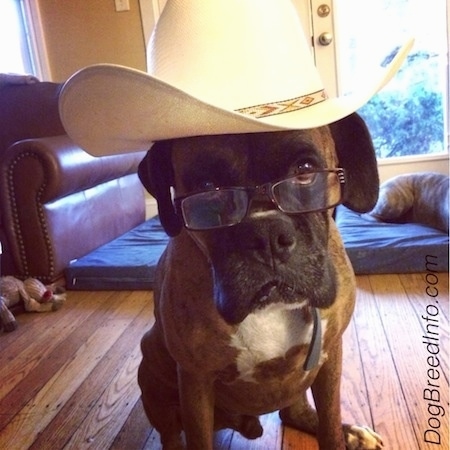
36, 39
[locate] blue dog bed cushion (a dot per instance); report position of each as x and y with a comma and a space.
126, 263
379, 247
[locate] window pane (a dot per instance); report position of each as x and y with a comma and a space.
407, 116
14, 51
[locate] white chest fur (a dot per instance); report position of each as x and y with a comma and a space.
269, 333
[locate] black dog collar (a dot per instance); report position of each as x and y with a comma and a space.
315, 347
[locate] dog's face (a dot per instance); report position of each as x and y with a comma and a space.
269, 256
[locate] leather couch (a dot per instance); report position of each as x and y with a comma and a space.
57, 203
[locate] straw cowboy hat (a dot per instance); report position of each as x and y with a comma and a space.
214, 67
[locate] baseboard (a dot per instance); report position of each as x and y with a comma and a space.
151, 207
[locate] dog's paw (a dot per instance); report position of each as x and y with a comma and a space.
362, 438
250, 427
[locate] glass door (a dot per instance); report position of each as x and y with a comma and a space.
409, 116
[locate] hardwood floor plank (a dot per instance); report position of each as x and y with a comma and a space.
385, 394
135, 432
295, 440
430, 301
55, 393
83, 356
31, 324
72, 414
222, 439
17, 361
429, 296
354, 395
271, 438
153, 442
28, 386
111, 410
404, 332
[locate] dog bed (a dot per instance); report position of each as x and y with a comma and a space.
421, 197
407, 230
379, 247
128, 262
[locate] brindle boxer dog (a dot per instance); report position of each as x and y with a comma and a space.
250, 306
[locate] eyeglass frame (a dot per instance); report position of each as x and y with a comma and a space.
264, 189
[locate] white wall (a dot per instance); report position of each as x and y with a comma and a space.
151, 208
389, 168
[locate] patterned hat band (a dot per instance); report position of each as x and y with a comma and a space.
284, 106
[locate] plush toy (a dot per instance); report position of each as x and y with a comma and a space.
34, 295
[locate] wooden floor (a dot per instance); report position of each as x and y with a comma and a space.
68, 378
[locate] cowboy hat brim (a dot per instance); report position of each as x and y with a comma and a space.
108, 109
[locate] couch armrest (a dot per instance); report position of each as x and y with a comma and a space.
58, 203
56, 167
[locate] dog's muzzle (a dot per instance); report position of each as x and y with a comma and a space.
270, 259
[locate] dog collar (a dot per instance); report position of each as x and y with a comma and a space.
315, 347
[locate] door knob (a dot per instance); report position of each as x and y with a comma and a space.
325, 38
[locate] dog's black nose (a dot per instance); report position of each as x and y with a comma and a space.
270, 239
283, 243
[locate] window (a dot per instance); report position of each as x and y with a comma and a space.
14, 42
22, 48
409, 116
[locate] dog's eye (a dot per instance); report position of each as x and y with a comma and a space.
305, 167
305, 178
303, 174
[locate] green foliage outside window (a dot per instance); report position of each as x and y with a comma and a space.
405, 126
408, 119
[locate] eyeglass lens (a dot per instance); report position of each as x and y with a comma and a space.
214, 209
307, 192
228, 206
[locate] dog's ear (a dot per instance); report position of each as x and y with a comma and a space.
356, 155
156, 174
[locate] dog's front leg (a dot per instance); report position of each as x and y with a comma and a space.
327, 398
197, 409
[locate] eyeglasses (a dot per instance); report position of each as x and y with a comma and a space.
305, 192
